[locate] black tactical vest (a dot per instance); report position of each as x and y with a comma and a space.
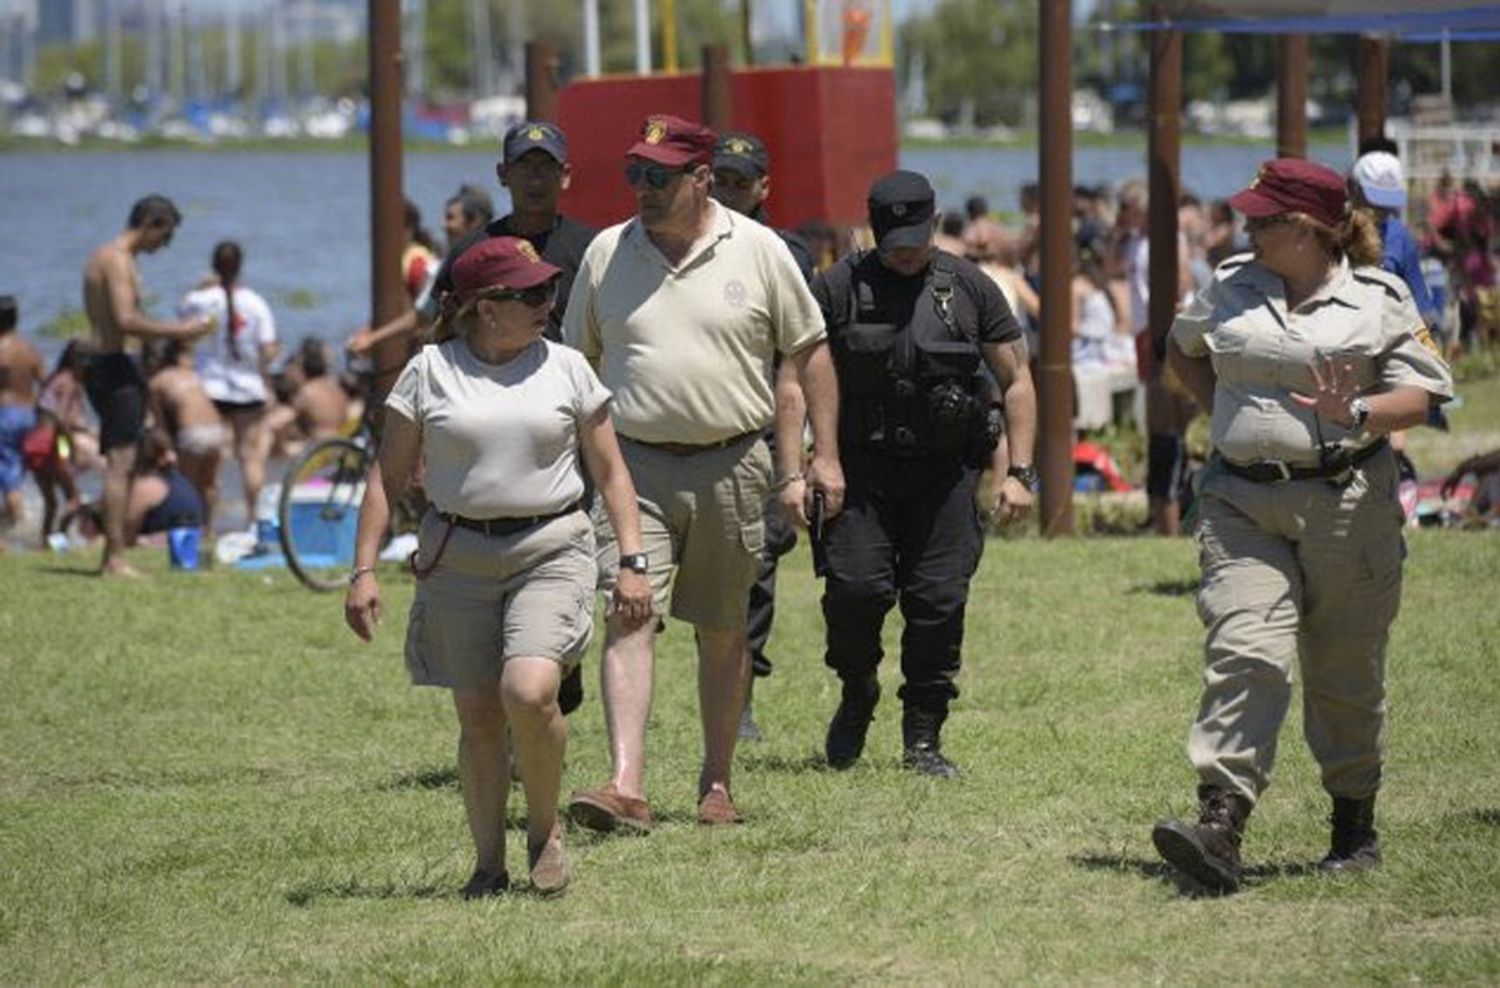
909, 390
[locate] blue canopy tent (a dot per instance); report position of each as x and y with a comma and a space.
1454, 19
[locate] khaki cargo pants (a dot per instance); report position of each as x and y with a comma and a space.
1296, 571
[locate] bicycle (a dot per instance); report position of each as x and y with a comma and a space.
318, 513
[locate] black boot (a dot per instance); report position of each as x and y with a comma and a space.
749, 729
921, 731
1356, 845
570, 691
1208, 850
851, 721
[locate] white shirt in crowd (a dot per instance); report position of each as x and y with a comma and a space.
227, 375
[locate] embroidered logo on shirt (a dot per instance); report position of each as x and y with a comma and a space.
735, 293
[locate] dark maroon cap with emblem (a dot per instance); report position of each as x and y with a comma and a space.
1291, 185
673, 141
500, 262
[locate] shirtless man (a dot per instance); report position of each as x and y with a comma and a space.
321, 404
116, 388
182, 408
20, 375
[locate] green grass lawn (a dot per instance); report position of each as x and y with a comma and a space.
204, 778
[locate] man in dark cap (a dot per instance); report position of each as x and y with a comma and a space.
682, 309
913, 330
742, 181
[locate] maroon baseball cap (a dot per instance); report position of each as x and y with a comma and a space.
674, 142
500, 262
1287, 185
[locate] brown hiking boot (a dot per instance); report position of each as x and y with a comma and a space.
550, 872
1209, 850
715, 809
1355, 845
607, 810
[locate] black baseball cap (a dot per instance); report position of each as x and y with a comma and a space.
741, 152
529, 135
902, 205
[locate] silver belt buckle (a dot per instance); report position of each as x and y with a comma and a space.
1282, 467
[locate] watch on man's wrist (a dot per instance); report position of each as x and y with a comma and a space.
1026, 475
636, 562
1359, 411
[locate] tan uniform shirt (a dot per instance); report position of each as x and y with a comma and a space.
1261, 352
687, 349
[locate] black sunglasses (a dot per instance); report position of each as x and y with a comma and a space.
534, 296
654, 175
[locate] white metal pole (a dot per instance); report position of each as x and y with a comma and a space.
591, 60
643, 37
233, 73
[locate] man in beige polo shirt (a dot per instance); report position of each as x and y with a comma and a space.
681, 310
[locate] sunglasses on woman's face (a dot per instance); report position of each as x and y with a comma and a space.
1267, 222
534, 296
654, 175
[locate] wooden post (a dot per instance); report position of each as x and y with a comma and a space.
388, 293
1164, 165
718, 99
746, 17
1291, 97
541, 81
1374, 71
1055, 161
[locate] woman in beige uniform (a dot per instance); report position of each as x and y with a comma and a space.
1309, 355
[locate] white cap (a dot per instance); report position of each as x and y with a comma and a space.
1381, 180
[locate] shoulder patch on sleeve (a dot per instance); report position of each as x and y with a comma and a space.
1424, 337
1375, 276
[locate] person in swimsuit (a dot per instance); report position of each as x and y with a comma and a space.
115, 384
180, 405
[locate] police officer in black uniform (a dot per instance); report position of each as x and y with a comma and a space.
912, 330
742, 182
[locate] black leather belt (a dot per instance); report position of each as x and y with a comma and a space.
1280, 471
506, 526
690, 449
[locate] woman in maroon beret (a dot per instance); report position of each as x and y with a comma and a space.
499, 419
1309, 355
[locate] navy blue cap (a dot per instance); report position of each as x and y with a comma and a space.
741, 152
529, 135
902, 205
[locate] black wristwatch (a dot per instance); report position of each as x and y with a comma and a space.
1026, 475
636, 562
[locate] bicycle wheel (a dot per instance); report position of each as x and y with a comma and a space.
319, 511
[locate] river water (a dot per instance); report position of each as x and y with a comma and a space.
303, 220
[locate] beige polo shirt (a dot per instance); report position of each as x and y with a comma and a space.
1262, 352
687, 349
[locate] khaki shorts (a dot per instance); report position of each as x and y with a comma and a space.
530, 594
702, 516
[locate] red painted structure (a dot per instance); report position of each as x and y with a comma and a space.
829, 132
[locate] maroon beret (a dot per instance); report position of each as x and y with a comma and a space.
674, 142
